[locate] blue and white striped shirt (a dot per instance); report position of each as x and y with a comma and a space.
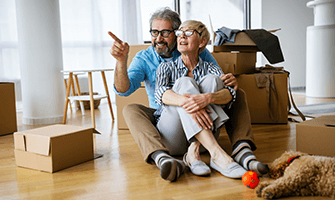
168, 72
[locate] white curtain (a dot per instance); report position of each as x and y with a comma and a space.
84, 27
85, 24
9, 54
131, 25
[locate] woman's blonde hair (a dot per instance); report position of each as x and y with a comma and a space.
201, 28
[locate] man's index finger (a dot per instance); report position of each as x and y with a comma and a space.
114, 37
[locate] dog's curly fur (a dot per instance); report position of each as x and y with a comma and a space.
306, 176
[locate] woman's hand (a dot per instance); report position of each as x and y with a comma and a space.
202, 118
229, 80
195, 102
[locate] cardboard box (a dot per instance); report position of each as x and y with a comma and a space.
242, 43
53, 148
316, 136
8, 121
236, 63
133, 50
257, 99
138, 97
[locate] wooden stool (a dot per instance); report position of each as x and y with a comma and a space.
73, 90
89, 97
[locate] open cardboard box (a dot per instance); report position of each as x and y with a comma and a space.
53, 148
316, 136
242, 43
238, 57
8, 123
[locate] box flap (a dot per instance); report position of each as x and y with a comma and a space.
38, 144
95, 131
19, 142
324, 121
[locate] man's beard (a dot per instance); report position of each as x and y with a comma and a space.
167, 53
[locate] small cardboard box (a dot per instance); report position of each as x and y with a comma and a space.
317, 136
235, 62
53, 148
242, 43
8, 122
257, 99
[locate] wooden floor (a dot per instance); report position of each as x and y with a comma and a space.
122, 174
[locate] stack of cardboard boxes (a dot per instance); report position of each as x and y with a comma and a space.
239, 58
316, 136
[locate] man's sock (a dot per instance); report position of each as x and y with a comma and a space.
170, 168
243, 155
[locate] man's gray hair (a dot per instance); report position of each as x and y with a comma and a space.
166, 14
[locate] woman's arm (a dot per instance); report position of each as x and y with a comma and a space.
195, 102
200, 116
169, 97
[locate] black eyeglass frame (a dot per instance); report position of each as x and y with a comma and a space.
188, 30
161, 32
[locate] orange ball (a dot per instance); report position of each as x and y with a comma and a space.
250, 179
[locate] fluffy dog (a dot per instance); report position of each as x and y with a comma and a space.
299, 174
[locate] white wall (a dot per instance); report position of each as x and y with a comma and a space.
293, 17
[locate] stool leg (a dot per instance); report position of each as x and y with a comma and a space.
107, 93
73, 90
81, 103
67, 97
90, 86
65, 82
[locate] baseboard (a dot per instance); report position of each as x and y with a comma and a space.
42, 120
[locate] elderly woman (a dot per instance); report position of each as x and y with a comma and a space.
191, 96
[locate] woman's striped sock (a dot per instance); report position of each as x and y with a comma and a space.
243, 155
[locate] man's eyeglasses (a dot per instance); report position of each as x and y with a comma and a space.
164, 33
187, 33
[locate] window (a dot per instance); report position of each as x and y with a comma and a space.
85, 23
9, 53
84, 26
147, 8
228, 13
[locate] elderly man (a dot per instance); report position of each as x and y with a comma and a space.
140, 119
